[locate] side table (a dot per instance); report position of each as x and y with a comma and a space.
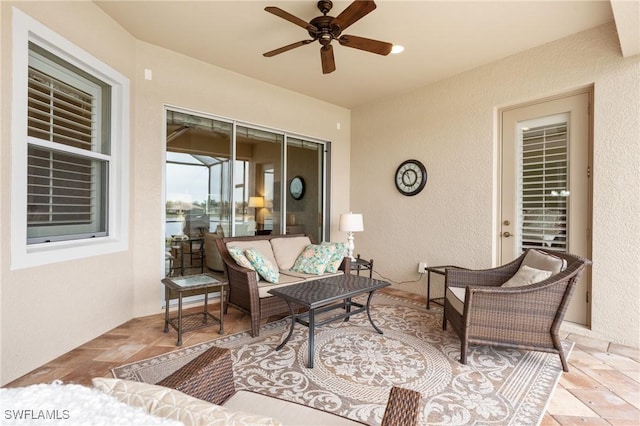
358, 264
440, 270
177, 287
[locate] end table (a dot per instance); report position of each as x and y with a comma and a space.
358, 264
440, 270
177, 287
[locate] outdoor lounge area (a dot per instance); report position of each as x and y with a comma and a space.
176, 197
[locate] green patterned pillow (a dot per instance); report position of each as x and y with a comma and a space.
238, 255
265, 268
336, 258
314, 259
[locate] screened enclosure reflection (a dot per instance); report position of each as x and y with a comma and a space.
233, 180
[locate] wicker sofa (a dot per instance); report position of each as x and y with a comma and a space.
495, 307
249, 293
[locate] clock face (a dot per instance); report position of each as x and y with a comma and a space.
411, 177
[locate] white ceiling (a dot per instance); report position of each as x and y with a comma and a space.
442, 38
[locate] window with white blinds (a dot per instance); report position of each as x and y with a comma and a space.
544, 187
68, 156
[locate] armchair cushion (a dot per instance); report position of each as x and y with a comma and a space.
545, 261
527, 275
455, 296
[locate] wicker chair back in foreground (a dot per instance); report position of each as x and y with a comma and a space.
528, 317
209, 377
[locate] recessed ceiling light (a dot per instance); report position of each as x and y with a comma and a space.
397, 49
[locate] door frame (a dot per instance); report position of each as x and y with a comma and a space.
497, 224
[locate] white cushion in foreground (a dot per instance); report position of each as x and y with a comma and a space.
60, 404
170, 403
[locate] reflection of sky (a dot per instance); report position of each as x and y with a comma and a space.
191, 182
187, 183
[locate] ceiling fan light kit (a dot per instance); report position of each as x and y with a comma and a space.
326, 28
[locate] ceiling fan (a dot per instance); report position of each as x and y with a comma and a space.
325, 29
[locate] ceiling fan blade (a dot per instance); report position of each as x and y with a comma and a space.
328, 63
352, 13
362, 43
287, 47
291, 18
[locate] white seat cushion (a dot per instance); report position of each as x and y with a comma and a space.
283, 280
455, 296
288, 413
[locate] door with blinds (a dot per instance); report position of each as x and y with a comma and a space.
545, 187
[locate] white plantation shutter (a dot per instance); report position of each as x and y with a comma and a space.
544, 187
67, 159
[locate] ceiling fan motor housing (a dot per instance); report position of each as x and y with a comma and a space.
325, 6
325, 31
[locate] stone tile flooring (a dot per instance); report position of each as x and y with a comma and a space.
601, 388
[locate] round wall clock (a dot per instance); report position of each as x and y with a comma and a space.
411, 177
296, 187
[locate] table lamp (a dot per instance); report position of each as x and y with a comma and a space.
350, 223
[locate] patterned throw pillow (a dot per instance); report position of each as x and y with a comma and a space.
238, 255
336, 258
314, 259
264, 267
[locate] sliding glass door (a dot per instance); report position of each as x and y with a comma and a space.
236, 179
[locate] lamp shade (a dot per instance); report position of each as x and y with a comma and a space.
256, 201
351, 222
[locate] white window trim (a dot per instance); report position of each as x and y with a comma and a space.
25, 30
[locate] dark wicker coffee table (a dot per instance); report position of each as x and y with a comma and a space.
320, 296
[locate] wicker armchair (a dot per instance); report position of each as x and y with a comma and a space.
526, 317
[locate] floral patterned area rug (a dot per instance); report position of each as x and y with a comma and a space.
355, 368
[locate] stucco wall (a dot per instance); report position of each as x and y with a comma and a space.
49, 310
451, 126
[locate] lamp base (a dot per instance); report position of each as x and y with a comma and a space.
350, 245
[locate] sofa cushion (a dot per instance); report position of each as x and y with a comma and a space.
289, 413
170, 403
283, 280
336, 258
309, 277
527, 275
241, 259
263, 246
264, 267
287, 250
314, 259
547, 262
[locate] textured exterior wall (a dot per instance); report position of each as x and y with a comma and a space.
49, 310
451, 126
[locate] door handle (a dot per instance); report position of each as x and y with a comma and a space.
506, 234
